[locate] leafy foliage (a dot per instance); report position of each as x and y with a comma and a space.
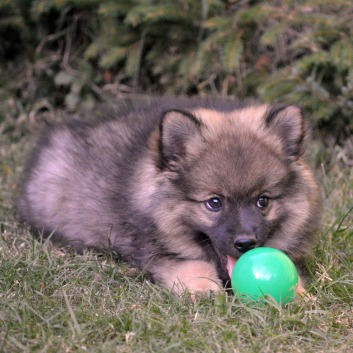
277, 50
317, 60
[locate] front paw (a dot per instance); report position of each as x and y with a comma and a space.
300, 289
192, 276
306, 296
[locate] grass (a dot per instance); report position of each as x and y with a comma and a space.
51, 301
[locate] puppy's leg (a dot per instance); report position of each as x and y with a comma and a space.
194, 276
300, 289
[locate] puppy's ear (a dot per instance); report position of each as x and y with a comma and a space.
287, 122
179, 137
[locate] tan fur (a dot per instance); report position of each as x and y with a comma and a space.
193, 276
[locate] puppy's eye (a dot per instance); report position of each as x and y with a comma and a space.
262, 202
214, 204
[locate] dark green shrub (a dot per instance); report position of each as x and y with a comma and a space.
311, 46
278, 50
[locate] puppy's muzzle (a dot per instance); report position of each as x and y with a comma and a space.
245, 243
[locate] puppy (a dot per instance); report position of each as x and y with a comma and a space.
177, 187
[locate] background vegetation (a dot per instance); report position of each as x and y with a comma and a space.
66, 55
67, 52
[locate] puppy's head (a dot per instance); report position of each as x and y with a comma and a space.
238, 177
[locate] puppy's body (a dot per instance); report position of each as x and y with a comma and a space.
179, 188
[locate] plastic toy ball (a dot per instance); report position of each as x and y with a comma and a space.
263, 272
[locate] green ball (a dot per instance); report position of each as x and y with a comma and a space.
263, 272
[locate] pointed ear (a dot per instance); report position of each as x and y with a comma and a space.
287, 122
180, 136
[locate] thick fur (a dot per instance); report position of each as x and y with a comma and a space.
140, 185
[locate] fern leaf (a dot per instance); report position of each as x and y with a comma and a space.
233, 52
114, 8
113, 56
341, 53
149, 14
217, 23
271, 35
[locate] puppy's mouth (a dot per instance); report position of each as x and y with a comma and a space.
230, 264
226, 261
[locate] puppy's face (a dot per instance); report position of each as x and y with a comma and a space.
239, 176
235, 195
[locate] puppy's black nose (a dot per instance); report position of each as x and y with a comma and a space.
243, 244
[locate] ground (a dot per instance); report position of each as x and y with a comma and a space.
52, 301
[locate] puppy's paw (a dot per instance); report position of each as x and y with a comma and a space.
192, 276
302, 293
300, 289
202, 284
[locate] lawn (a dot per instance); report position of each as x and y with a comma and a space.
52, 301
